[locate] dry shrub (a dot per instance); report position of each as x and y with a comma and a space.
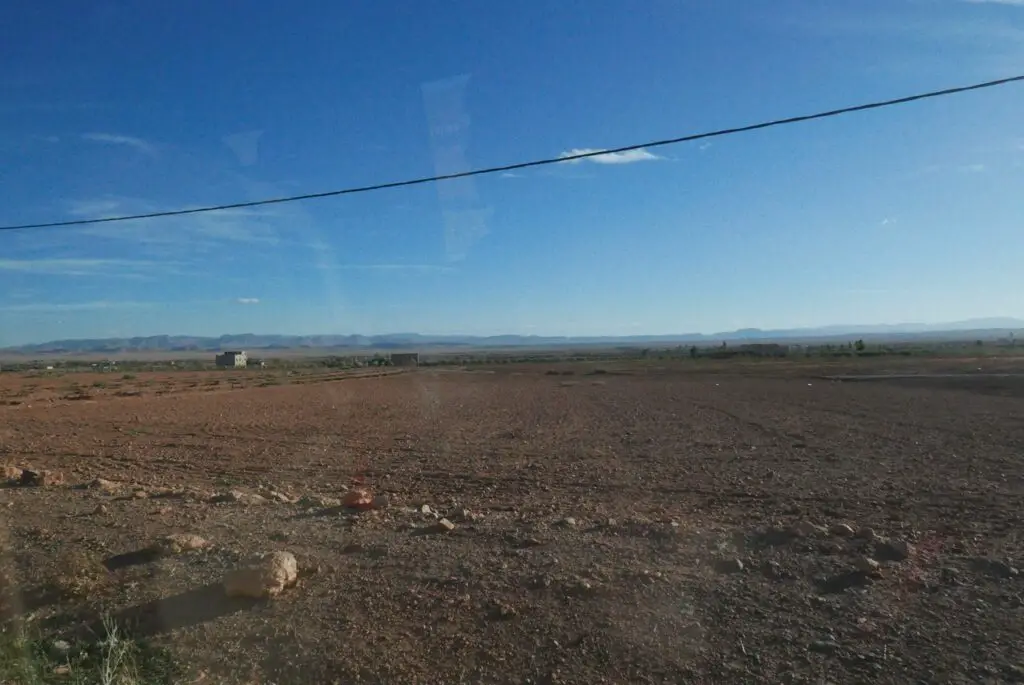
79, 575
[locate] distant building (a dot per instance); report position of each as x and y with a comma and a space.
232, 360
405, 359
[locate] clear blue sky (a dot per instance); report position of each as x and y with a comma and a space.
907, 214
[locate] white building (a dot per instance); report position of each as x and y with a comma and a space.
232, 360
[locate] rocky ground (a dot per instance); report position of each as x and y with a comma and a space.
526, 524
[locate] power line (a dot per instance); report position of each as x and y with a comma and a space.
535, 163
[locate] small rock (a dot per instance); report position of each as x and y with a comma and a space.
179, 543
582, 587
892, 550
357, 499
104, 485
381, 502
611, 523
824, 646
60, 649
841, 529
267, 576
464, 516
866, 533
41, 478
772, 569
319, 501
568, 522
531, 542
444, 526
140, 494
12, 473
503, 611
867, 565
425, 510
100, 509
729, 566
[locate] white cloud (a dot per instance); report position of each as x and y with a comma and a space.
115, 139
248, 300
628, 157
509, 174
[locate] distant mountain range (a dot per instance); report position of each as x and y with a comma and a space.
973, 328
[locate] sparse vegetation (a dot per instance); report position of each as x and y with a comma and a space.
114, 659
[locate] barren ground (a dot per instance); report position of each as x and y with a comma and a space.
672, 474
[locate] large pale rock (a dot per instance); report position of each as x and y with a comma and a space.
179, 543
267, 576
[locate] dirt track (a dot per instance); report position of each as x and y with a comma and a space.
671, 476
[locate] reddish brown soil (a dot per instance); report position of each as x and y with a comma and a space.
671, 475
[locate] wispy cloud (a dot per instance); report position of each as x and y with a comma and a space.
248, 300
195, 232
116, 139
509, 174
628, 157
74, 306
391, 267
116, 268
1015, 3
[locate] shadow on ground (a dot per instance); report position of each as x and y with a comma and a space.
183, 610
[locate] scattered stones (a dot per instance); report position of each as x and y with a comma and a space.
238, 497
267, 576
275, 496
729, 566
892, 550
772, 569
581, 587
41, 478
179, 543
319, 501
841, 529
995, 567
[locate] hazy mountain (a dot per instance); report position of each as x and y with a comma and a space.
990, 327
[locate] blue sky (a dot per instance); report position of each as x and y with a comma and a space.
906, 214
